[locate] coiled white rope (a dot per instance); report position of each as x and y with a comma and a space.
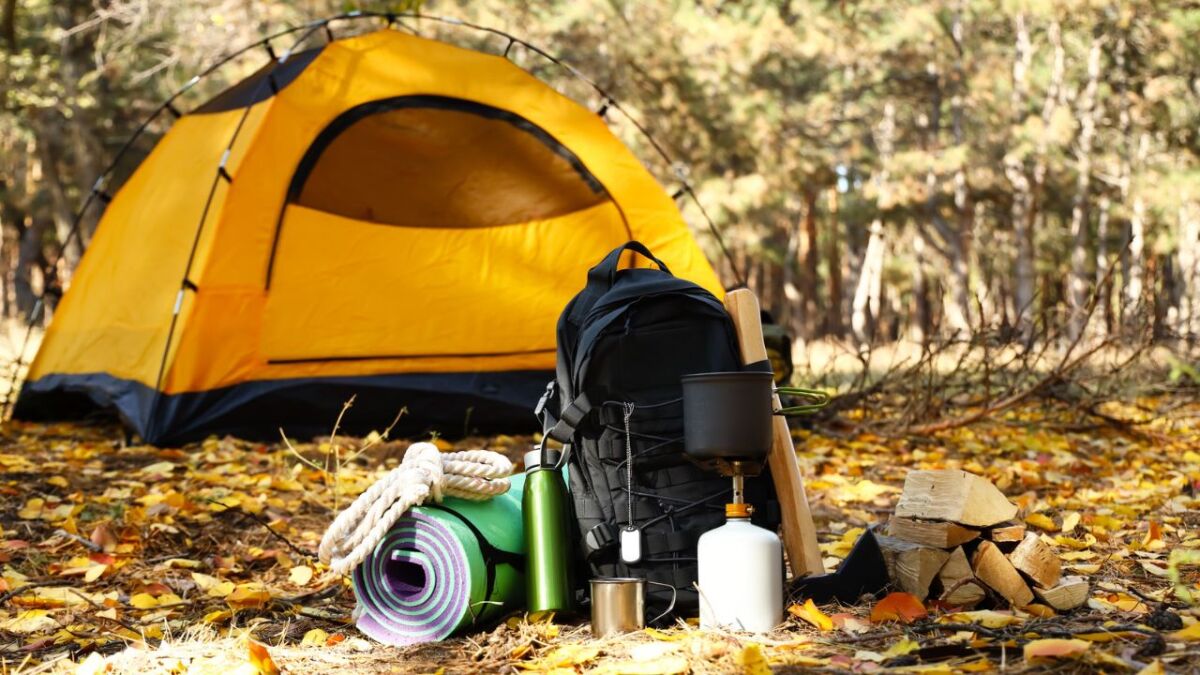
425, 472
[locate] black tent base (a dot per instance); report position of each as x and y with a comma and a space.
452, 405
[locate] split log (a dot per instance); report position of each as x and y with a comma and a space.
955, 496
935, 533
993, 569
1007, 533
911, 567
959, 586
1068, 593
1033, 557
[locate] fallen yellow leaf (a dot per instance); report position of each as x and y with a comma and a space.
1070, 521
32, 510
1189, 634
217, 616
94, 572
30, 621
301, 575
753, 660
159, 468
985, 617
904, 646
810, 613
212, 586
261, 659
564, 656
664, 636
1041, 521
143, 601
248, 596
1041, 651
1039, 610
315, 638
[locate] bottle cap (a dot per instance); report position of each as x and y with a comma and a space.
533, 458
738, 510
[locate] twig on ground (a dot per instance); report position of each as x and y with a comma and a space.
381, 437
336, 451
8, 595
246, 514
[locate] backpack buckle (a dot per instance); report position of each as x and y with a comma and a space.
600, 537
551, 387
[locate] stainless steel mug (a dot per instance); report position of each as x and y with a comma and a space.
619, 605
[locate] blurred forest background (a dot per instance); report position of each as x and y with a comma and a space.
1017, 169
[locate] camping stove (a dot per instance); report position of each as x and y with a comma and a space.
727, 423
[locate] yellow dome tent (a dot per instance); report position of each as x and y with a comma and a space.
384, 216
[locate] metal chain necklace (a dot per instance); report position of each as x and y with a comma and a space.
631, 536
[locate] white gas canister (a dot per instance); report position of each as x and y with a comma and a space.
741, 575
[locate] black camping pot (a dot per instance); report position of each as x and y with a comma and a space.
728, 415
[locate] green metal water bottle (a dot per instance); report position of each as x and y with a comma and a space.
545, 509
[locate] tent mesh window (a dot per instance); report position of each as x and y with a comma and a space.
426, 161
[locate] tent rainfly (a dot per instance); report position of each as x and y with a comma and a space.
395, 218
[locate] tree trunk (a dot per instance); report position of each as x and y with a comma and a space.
1088, 114
1014, 169
987, 295
810, 252
833, 257
921, 320
1103, 283
1157, 310
793, 292
1188, 324
958, 306
1137, 243
868, 291
8, 24
29, 256
12, 217
1124, 164
866, 305
45, 136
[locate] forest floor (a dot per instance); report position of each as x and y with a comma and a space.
199, 559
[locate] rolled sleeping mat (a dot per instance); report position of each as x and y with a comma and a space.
443, 568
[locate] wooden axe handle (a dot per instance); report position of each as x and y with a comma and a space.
799, 531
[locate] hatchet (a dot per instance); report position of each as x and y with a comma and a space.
799, 532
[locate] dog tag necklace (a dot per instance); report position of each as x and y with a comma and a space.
631, 536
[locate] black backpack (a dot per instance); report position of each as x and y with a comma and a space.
624, 342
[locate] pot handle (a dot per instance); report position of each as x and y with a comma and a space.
820, 400
674, 597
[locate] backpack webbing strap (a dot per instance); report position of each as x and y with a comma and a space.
570, 418
492, 556
603, 537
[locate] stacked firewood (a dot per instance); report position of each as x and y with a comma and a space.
954, 536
